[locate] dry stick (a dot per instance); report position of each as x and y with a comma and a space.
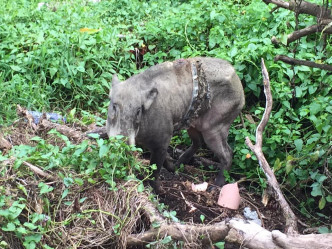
291, 220
293, 61
38, 171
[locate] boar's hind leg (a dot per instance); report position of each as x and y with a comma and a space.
168, 163
216, 140
196, 138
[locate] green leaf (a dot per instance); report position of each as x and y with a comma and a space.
316, 190
10, 227
140, 188
83, 199
323, 230
79, 181
277, 165
286, 103
220, 245
29, 225
103, 150
35, 238
44, 188
298, 92
68, 181
322, 203
64, 193
53, 71
298, 144
166, 240
81, 69
155, 224
233, 52
329, 198
22, 230
289, 164
284, 38
16, 68
94, 135
315, 108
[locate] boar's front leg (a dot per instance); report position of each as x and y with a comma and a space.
158, 156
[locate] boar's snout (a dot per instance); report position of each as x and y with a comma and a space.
120, 123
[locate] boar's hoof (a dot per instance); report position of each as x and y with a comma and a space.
169, 165
155, 185
212, 188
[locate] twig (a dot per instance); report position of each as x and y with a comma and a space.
291, 220
192, 207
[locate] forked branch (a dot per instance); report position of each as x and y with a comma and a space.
291, 220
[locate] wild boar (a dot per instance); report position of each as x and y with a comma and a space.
203, 95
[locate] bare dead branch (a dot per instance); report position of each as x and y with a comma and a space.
38, 171
182, 232
304, 8
291, 220
322, 27
65, 130
293, 61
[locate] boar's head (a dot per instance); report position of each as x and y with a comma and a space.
128, 104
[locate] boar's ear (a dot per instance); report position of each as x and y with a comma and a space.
115, 81
149, 98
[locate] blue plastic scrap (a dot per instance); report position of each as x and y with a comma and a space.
252, 215
55, 117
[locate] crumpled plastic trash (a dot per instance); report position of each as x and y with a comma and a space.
229, 196
251, 215
199, 187
55, 117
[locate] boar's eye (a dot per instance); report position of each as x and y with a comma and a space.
137, 117
112, 110
114, 107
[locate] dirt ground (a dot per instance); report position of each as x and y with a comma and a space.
178, 196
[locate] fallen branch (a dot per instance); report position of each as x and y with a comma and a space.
291, 220
293, 61
38, 171
303, 8
63, 129
322, 27
189, 233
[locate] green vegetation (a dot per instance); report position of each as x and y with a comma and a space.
62, 59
